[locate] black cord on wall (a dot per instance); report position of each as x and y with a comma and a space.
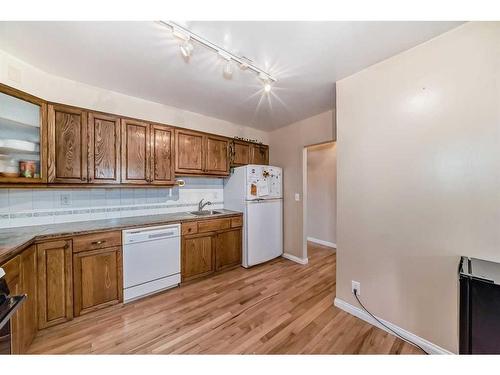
395, 333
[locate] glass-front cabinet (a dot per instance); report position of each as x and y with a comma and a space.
22, 155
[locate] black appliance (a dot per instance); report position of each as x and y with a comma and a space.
8, 306
479, 306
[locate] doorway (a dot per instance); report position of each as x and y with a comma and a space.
320, 195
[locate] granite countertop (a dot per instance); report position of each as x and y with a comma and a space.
14, 240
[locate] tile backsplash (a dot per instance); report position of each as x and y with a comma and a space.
20, 207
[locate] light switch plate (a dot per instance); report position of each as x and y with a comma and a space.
297, 197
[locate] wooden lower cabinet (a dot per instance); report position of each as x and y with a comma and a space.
28, 312
55, 282
21, 279
197, 256
228, 249
215, 247
97, 279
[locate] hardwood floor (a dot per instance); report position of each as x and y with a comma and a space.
277, 308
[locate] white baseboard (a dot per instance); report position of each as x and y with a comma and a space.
295, 259
321, 242
358, 312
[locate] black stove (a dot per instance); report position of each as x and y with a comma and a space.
8, 306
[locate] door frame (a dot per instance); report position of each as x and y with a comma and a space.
304, 194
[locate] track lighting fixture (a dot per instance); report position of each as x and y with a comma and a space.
186, 46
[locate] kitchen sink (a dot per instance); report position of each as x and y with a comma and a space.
205, 213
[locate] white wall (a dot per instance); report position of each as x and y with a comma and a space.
286, 150
322, 193
418, 152
23, 76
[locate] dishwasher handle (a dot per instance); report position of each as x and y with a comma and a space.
151, 233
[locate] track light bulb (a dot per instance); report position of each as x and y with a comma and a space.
186, 49
267, 87
227, 70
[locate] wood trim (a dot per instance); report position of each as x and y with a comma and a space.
92, 116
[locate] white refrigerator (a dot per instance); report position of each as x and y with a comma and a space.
257, 191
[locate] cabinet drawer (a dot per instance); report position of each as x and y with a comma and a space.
236, 222
96, 241
189, 228
213, 225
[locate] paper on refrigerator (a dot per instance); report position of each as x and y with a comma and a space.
262, 188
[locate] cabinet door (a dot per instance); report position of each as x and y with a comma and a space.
28, 311
189, 152
21, 278
217, 161
103, 149
259, 154
162, 161
197, 256
240, 153
13, 279
23, 117
135, 152
97, 279
55, 285
228, 249
67, 144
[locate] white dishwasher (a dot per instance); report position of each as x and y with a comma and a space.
151, 260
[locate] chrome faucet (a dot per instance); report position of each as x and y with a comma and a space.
201, 205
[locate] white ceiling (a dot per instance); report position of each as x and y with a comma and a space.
142, 59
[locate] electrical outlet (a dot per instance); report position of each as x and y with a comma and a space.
297, 197
65, 200
356, 285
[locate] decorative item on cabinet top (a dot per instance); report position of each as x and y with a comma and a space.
74, 146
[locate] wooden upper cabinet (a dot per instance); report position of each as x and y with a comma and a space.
201, 154
135, 152
259, 154
189, 152
55, 282
162, 160
103, 149
217, 156
67, 144
23, 117
240, 153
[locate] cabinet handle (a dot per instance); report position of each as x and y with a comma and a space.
100, 242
